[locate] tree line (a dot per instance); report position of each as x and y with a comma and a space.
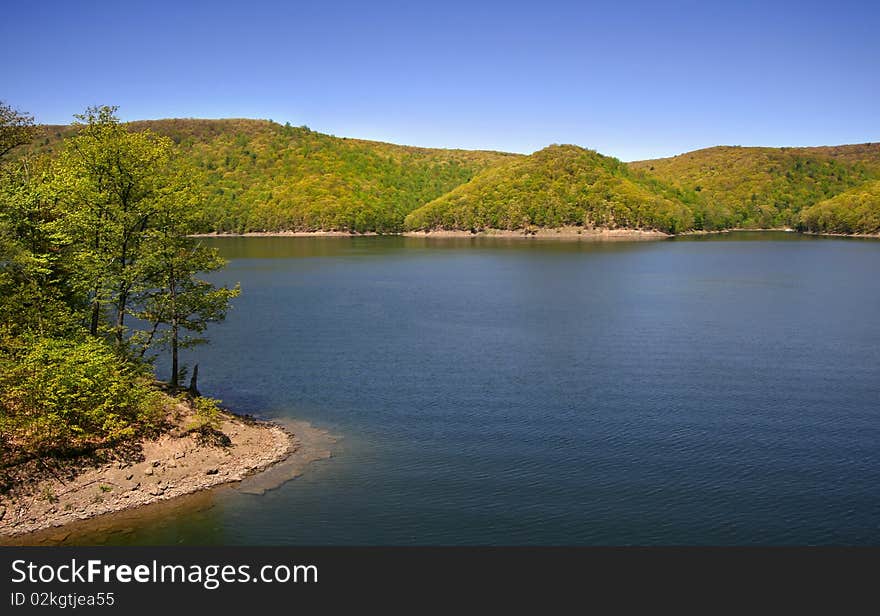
263, 176
98, 277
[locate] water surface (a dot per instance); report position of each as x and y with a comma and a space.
713, 390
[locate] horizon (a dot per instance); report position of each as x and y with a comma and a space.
635, 82
416, 145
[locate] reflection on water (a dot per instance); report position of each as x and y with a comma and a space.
712, 390
118, 528
379, 246
373, 246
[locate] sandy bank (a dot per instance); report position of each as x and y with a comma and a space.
561, 233
292, 234
737, 230
569, 233
781, 229
870, 236
175, 464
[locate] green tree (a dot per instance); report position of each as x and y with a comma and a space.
31, 291
179, 305
107, 180
98, 233
71, 394
16, 129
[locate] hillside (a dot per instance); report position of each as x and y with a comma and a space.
765, 187
263, 176
856, 211
561, 185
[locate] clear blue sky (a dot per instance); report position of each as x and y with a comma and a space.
632, 79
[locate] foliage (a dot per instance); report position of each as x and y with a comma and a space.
94, 233
856, 211
261, 176
562, 185
35, 293
16, 129
105, 182
62, 394
206, 412
176, 297
764, 187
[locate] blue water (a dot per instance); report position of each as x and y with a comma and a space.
718, 390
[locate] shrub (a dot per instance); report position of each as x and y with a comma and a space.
207, 413
68, 395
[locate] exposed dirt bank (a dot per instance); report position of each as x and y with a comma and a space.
569, 233
178, 462
562, 233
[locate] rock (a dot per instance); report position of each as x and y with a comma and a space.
179, 455
136, 486
212, 471
2, 512
129, 477
156, 463
148, 472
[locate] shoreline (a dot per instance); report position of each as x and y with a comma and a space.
175, 464
556, 233
575, 233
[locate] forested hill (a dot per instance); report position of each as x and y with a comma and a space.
856, 211
561, 185
263, 176
765, 187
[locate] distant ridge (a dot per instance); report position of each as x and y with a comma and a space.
559, 186
766, 187
265, 177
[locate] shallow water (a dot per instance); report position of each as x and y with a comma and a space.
712, 390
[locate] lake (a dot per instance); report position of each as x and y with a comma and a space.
708, 390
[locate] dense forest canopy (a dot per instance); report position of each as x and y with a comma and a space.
562, 185
856, 211
766, 187
714, 189
99, 275
261, 176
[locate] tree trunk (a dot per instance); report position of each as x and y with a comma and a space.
194, 381
123, 286
174, 366
96, 316
172, 290
120, 315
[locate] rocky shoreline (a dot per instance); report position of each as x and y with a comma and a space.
571, 233
563, 233
176, 463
